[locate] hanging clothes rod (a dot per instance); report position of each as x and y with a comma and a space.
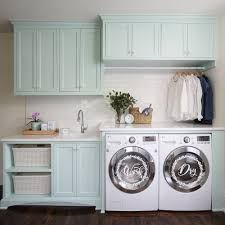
151, 68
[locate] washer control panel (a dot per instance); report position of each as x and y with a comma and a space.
131, 139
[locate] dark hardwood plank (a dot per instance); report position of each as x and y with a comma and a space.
44, 215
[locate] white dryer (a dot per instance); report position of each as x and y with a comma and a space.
131, 172
185, 172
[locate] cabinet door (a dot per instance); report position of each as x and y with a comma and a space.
117, 40
144, 40
88, 169
65, 170
200, 40
172, 40
25, 60
47, 71
69, 59
90, 65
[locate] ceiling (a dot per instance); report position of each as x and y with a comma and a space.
87, 10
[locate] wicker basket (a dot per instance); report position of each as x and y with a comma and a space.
32, 184
31, 156
139, 117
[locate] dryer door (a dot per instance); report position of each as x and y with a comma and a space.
186, 169
132, 169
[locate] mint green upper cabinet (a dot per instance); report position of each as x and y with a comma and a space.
57, 58
25, 60
158, 40
144, 42
47, 71
130, 40
200, 40
90, 65
69, 59
117, 40
88, 169
172, 40
187, 40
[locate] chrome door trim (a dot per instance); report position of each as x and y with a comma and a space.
131, 169
191, 156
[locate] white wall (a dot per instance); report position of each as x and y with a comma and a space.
146, 86
217, 75
12, 109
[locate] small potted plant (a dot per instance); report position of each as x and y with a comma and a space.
36, 122
120, 102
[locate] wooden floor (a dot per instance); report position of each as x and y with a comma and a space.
34, 215
50, 215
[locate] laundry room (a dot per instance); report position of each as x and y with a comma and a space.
112, 112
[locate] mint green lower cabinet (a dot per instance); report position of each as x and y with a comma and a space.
88, 162
218, 174
64, 170
77, 172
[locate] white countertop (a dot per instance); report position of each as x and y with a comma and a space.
58, 138
112, 127
156, 127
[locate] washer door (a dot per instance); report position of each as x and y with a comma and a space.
186, 169
132, 169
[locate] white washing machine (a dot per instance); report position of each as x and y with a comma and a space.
185, 172
131, 172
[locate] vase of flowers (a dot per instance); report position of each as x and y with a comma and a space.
120, 102
36, 122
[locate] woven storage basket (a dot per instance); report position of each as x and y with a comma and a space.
31, 184
31, 156
139, 117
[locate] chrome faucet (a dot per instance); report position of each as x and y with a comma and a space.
80, 118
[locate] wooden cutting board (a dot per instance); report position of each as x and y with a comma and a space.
40, 132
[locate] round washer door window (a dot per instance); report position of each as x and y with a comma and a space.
132, 169
186, 169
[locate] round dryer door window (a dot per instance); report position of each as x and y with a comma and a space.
186, 169
132, 169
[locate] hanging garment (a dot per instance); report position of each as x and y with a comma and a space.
177, 98
207, 100
184, 98
198, 99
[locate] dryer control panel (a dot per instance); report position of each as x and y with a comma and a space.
185, 139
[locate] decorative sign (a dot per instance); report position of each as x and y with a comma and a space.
187, 170
132, 170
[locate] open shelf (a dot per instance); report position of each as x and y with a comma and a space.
29, 170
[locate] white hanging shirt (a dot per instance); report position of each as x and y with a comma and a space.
184, 98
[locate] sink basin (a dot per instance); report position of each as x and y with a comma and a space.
76, 136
